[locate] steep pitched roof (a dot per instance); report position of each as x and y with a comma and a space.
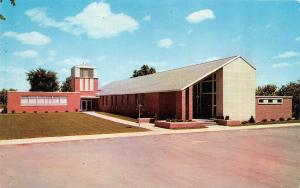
171, 80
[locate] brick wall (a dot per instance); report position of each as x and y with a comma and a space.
75, 84
14, 102
163, 105
274, 111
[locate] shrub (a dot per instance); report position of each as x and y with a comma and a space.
245, 122
24, 112
227, 118
46, 111
76, 110
35, 112
12, 111
264, 120
289, 119
251, 120
56, 111
4, 111
281, 119
67, 111
273, 120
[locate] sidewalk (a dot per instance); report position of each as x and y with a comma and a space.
149, 126
155, 131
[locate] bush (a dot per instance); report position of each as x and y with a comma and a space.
24, 112
264, 120
76, 110
273, 120
46, 111
12, 111
281, 119
67, 111
35, 112
251, 120
289, 119
245, 122
56, 111
227, 118
4, 111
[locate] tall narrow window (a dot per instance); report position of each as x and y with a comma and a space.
143, 99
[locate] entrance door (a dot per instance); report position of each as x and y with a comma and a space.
87, 105
83, 105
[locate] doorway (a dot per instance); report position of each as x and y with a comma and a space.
87, 105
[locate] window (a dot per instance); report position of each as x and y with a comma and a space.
136, 99
127, 100
143, 99
86, 73
270, 100
43, 100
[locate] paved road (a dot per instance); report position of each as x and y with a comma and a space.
244, 158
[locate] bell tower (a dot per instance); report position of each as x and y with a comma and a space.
84, 80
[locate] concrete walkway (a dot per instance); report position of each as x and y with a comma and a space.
149, 126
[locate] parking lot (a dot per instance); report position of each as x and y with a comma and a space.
242, 158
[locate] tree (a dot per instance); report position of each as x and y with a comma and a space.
13, 3
266, 90
3, 96
144, 70
292, 89
42, 80
66, 85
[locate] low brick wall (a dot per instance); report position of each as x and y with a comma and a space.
179, 125
227, 122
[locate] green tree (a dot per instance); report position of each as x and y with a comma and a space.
42, 80
13, 3
144, 70
66, 85
292, 89
266, 90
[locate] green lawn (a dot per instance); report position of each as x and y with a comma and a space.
119, 116
17, 126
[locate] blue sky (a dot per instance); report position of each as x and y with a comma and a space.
120, 36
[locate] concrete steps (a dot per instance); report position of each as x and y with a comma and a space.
207, 122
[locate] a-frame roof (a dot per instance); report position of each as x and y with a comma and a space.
171, 80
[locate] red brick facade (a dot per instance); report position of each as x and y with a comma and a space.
75, 84
273, 111
14, 102
162, 105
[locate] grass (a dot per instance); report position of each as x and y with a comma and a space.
17, 126
119, 116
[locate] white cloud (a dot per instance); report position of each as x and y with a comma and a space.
73, 61
27, 54
298, 1
32, 38
287, 54
147, 18
165, 43
96, 21
280, 65
200, 16
298, 38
